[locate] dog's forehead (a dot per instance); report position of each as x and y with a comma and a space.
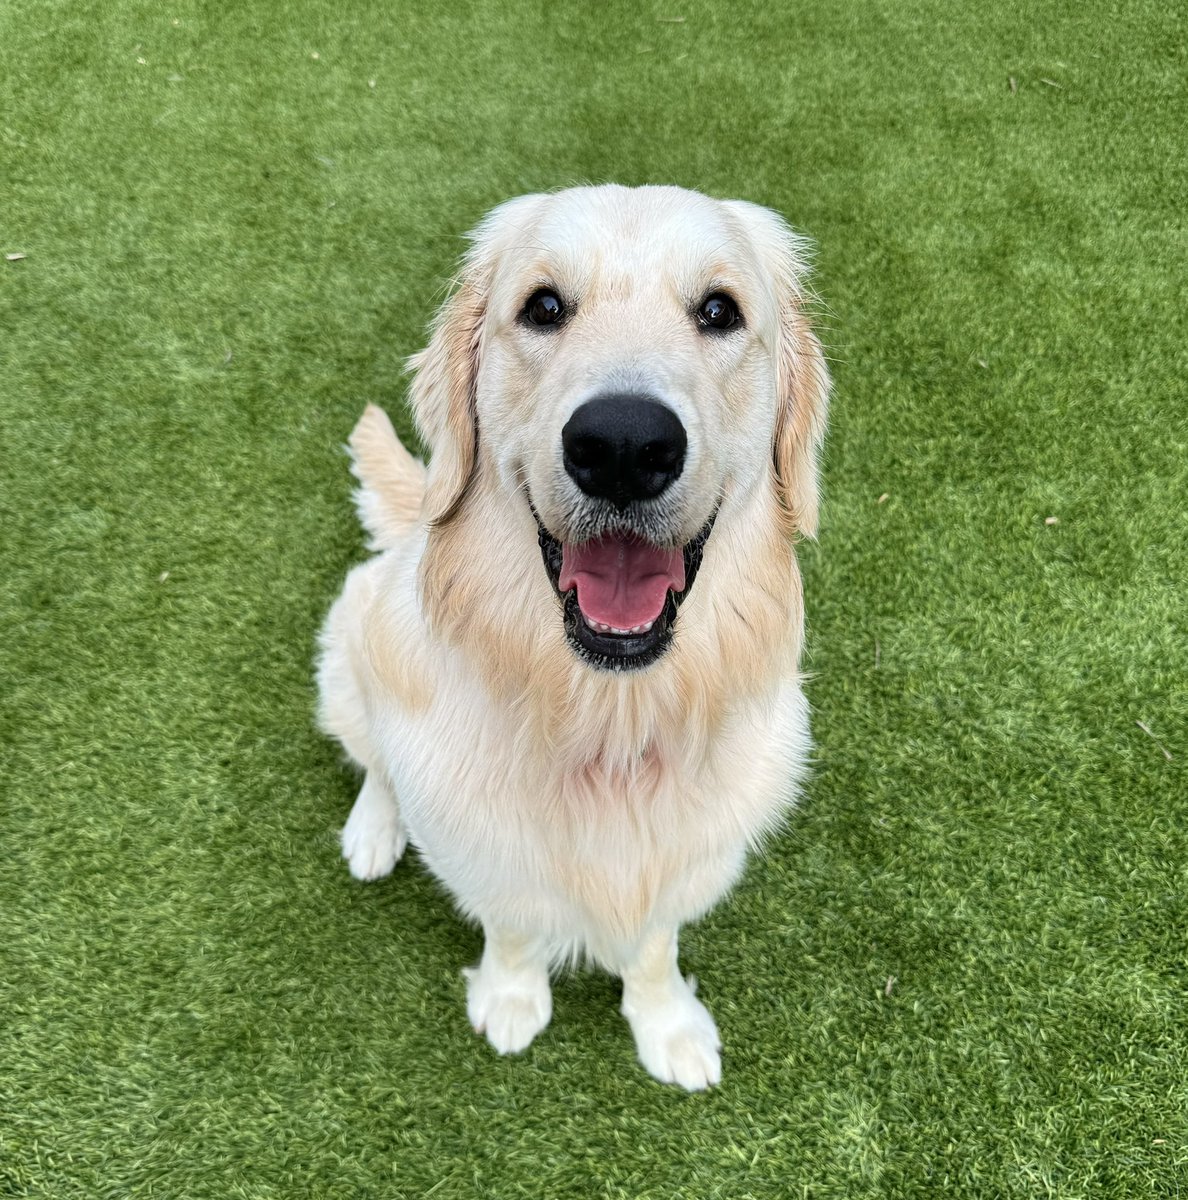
640, 219
626, 236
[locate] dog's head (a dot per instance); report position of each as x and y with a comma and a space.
626, 364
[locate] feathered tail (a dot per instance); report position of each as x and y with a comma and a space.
391, 482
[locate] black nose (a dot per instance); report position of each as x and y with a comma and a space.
623, 448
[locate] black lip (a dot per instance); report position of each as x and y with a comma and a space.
613, 651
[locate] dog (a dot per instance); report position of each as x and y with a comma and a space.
570, 670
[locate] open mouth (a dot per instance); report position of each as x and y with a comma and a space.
620, 594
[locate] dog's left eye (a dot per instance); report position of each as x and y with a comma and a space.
543, 307
718, 311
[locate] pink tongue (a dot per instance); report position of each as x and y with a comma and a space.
620, 581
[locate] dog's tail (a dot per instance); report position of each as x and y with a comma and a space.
391, 482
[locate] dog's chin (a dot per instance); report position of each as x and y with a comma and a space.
618, 651
607, 650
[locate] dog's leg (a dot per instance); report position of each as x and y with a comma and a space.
676, 1037
508, 996
374, 837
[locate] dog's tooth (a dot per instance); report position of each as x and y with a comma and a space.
603, 627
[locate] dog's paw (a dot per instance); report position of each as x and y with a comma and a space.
678, 1042
510, 1009
373, 841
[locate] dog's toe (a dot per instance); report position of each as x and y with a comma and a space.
510, 1013
374, 836
371, 851
687, 1058
678, 1043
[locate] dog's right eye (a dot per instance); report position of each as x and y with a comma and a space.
543, 307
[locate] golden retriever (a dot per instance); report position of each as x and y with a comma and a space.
570, 672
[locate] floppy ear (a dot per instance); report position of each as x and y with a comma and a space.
802, 378
445, 373
800, 423
443, 396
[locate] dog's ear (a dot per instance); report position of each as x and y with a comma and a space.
445, 376
445, 373
802, 378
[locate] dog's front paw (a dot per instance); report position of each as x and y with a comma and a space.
511, 1009
374, 837
677, 1041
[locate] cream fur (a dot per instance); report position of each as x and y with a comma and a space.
574, 811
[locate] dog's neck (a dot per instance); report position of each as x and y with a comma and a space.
485, 591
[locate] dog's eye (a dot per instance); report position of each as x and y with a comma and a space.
543, 307
718, 311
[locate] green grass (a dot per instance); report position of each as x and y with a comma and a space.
232, 245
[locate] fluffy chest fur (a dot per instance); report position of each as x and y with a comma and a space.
587, 803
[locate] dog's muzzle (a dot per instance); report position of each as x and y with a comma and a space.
620, 593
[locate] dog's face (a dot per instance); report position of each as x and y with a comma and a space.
630, 361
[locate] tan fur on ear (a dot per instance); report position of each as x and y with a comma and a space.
443, 399
802, 378
445, 380
800, 424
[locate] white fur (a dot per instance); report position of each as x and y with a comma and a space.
574, 811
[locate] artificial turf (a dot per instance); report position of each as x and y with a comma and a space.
961, 971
